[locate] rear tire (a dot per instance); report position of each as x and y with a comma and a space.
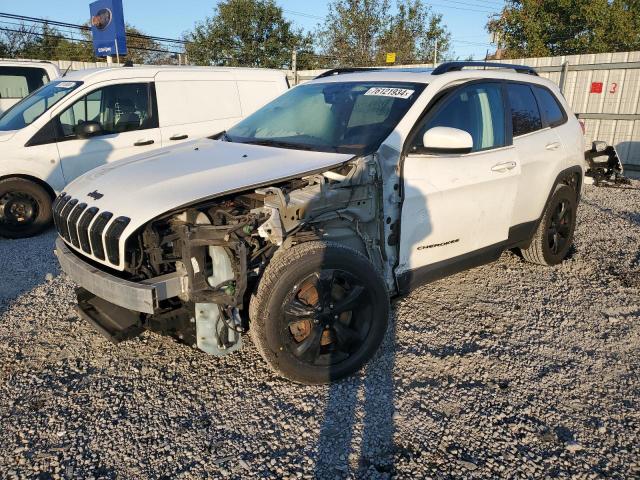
320, 312
25, 208
554, 236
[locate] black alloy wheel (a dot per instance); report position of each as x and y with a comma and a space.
326, 317
559, 231
553, 238
320, 312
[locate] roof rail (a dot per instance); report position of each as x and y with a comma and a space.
340, 71
458, 66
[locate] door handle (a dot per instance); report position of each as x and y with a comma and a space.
142, 143
503, 167
179, 137
553, 146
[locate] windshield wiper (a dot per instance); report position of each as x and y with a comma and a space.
221, 136
291, 145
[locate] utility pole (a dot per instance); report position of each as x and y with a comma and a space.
435, 53
294, 66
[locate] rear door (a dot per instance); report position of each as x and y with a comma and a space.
195, 104
129, 121
540, 152
453, 204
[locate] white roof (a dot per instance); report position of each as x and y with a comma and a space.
110, 73
48, 66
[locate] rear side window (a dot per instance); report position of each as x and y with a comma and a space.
525, 114
18, 82
552, 112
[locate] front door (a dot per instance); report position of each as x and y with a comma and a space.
129, 126
459, 205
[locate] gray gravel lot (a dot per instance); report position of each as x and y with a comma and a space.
509, 370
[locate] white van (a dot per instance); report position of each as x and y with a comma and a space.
97, 116
19, 78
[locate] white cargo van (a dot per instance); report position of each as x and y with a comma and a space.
19, 78
93, 117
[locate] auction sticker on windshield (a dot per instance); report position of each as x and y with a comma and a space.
390, 92
65, 85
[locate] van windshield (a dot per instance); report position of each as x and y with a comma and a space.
27, 110
345, 117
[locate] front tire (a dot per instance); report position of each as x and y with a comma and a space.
25, 208
554, 236
320, 312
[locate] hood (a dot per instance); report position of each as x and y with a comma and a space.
148, 185
4, 136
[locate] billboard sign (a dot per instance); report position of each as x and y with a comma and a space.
107, 28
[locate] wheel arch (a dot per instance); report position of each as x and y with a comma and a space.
521, 236
31, 178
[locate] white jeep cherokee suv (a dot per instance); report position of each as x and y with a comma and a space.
300, 222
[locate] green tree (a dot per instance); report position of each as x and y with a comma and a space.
361, 32
536, 28
414, 33
251, 33
144, 50
351, 31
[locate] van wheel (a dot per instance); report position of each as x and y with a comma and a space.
320, 312
554, 236
25, 208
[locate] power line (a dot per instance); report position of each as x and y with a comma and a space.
439, 5
62, 37
85, 27
306, 15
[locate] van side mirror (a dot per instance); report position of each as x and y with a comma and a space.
447, 140
87, 129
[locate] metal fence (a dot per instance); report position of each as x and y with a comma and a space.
603, 89
64, 64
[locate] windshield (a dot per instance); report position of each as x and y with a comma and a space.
30, 108
351, 117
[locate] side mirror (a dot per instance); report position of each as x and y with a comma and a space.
87, 129
447, 140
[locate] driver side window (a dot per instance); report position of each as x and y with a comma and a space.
477, 109
117, 108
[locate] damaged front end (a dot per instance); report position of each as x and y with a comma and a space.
204, 262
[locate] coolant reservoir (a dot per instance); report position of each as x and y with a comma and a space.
222, 271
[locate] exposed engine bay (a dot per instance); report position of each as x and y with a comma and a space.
221, 247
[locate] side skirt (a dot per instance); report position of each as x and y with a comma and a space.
519, 236
430, 273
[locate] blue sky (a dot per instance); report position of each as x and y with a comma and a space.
465, 18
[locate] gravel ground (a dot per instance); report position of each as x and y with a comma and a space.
509, 370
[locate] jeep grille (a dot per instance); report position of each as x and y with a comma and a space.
84, 227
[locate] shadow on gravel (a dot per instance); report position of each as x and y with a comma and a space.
25, 264
359, 411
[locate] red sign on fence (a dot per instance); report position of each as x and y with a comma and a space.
596, 87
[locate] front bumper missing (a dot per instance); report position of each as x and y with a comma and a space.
142, 297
